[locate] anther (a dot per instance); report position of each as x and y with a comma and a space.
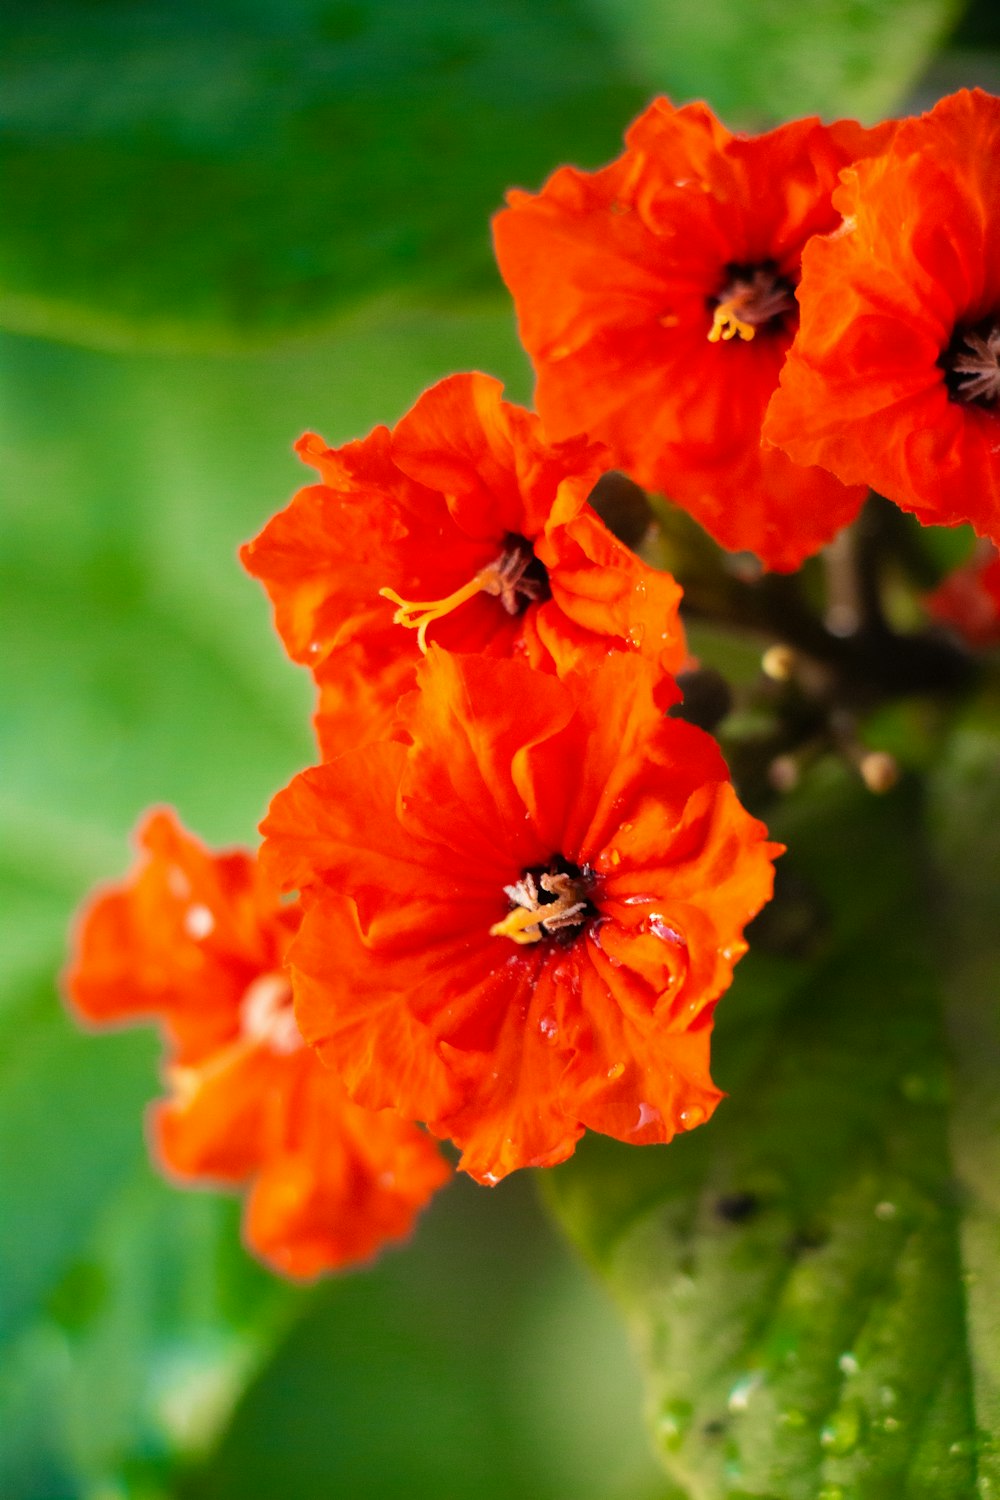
971, 364
516, 578
754, 297
543, 904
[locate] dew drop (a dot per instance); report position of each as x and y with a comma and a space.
616, 1070
662, 929
674, 1421
692, 1116
635, 635
739, 1396
840, 1435
198, 922
549, 1027
648, 1115
614, 857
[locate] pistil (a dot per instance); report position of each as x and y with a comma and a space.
971, 364
543, 905
516, 578
752, 298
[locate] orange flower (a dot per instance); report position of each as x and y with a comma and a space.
198, 941
518, 922
657, 299
894, 379
465, 525
969, 599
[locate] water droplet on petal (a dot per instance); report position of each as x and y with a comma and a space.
648, 1115
614, 857
549, 1027
635, 635
616, 1070
198, 922
692, 1116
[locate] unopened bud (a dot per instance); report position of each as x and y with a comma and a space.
784, 773
778, 663
879, 771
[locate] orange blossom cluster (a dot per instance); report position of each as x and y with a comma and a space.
505, 904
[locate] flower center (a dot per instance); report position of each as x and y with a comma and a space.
266, 1014
549, 901
971, 364
516, 578
752, 297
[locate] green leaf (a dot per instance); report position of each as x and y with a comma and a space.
794, 1270
759, 64
965, 825
190, 172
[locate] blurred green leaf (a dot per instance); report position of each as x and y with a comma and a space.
211, 175
965, 828
762, 63
207, 173
793, 1270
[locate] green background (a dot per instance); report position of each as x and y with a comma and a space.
224, 224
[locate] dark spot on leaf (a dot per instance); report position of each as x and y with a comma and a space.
808, 1237
737, 1208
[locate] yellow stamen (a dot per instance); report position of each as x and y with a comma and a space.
418, 614
521, 925
531, 918
727, 323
